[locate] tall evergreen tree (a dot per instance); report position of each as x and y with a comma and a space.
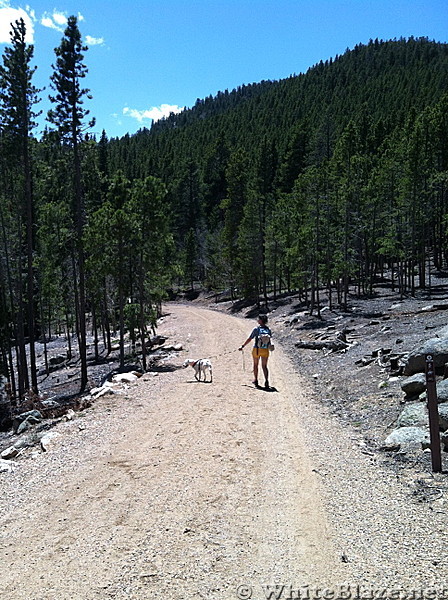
68, 116
18, 96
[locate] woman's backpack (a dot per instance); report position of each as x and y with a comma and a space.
264, 339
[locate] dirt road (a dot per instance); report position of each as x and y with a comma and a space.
180, 490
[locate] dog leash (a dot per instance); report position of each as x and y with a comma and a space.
222, 354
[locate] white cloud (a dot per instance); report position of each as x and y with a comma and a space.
48, 22
31, 12
57, 21
59, 18
93, 41
155, 112
9, 15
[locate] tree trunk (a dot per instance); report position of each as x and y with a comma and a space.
30, 251
81, 267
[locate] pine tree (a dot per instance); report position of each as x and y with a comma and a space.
17, 98
68, 116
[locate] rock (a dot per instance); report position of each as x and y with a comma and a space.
381, 352
415, 414
5, 406
7, 466
175, 348
443, 333
104, 391
442, 391
70, 415
293, 318
443, 417
395, 306
437, 347
47, 440
51, 404
125, 377
157, 340
444, 440
127, 369
428, 308
10, 452
57, 360
416, 384
383, 385
25, 420
26, 425
96, 390
410, 437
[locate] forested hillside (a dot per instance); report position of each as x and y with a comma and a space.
322, 181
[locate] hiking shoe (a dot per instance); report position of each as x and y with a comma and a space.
255, 382
266, 385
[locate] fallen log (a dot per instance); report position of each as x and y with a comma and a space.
433, 308
333, 345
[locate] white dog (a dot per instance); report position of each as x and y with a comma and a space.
200, 366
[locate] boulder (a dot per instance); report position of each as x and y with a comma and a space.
125, 377
175, 348
10, 452
437, 347
70, 415
409, 437
414, 385
31, 417
443, 333
50, 404
443, 417
444, 440
57, 360
5, 406
442, 391
294, 318
414, 414
47, 440
27, 424
103, 391
7, 466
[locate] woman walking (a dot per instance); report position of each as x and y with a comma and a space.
262, 342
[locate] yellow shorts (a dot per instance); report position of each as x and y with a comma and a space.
260, 352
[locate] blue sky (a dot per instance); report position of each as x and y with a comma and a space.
149, 57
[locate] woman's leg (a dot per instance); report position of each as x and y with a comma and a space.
256, 359
264, 366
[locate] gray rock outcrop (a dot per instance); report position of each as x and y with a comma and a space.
5, 406
10, 452
443, 417
437, 347
414, 385
444, 440
414, 414
442, 391
408, 437
26, 420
